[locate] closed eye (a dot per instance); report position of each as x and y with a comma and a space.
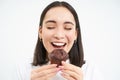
50, 27
68, 28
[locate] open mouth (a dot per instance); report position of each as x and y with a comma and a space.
58, 44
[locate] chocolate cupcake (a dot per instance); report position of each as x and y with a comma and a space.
58, 55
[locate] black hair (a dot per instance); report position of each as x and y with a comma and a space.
76, 55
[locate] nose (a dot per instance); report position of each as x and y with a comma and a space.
59, 33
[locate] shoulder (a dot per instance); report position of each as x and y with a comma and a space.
88, 65
23, 68
91, 71
24, 63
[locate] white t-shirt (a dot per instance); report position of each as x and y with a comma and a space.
89, 71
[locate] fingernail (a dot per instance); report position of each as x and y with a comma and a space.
61, 67
58, 69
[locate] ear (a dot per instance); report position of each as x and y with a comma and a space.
76, 34
40, 32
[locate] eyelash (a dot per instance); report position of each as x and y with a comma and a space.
64, 28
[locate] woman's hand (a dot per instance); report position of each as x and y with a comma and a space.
44, 73
71, 72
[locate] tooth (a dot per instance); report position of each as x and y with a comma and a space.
59, 44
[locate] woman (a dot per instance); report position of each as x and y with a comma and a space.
59, 26
59, 29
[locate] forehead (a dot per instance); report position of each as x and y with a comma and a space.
59, 13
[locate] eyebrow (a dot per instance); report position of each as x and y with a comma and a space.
52, 21
68, 22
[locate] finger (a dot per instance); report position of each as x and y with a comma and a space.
50, 76
45, 67
72, 74
47, 77
49, 71
67, 66
67, 76
45, 72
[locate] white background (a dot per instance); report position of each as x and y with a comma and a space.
100, 26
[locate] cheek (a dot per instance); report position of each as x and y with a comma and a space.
46, 35
71, 37
45, 38
70, 40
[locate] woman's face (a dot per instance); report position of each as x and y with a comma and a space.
58, 30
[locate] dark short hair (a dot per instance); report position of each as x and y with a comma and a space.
76, 55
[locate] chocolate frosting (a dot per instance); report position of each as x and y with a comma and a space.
58, 55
